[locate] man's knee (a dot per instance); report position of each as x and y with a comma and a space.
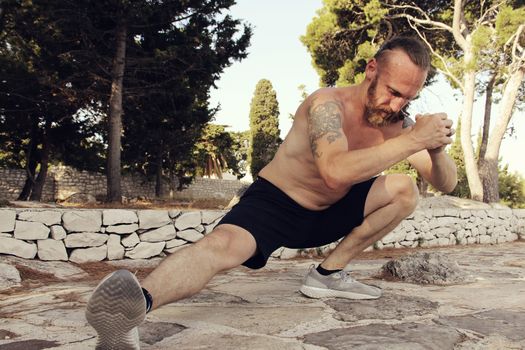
407, 193
228, 246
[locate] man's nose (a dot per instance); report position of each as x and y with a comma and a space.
396, 103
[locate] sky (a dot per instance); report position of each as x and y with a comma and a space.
277, 54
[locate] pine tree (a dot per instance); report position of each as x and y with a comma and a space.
264, 126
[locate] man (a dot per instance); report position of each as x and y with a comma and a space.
321, 186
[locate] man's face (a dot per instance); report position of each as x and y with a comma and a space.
394, 83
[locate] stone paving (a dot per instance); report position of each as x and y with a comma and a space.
262, 309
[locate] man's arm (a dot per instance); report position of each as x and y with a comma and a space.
340, 167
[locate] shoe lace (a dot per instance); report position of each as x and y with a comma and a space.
345, 276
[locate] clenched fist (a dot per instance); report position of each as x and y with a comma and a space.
433, 131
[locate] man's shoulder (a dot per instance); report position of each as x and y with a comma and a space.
326, 95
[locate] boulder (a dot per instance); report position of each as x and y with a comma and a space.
162, 234
46, 217
122, 229
119, 216
190, 235
84, 255
188, 220
82, 221
7, 220
31, 230
153, 218
50, 249
209, 217
9, 277
115, 249
146, 250
85, 239
17, 247
58, 232
131, 240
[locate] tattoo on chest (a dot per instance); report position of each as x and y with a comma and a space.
324, 120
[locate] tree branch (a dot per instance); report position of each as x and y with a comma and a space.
457, 23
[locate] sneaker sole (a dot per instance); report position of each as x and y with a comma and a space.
116, 307
317, 293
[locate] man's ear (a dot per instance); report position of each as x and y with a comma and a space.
371, 69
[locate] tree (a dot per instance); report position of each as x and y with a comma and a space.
511, 188
456, 152
264, 126
470, 41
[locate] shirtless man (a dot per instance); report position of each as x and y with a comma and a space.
321, 186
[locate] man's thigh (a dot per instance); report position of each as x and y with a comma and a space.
385, 190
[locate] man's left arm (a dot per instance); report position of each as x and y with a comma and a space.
437, 168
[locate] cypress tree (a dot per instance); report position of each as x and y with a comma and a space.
264, 126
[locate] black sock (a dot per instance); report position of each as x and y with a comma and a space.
149, 300
326, 272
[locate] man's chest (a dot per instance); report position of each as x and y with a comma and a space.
364, 136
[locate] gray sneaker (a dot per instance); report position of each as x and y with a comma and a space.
338, 284
115, 309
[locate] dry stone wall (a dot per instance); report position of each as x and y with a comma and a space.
94, 235
63, 182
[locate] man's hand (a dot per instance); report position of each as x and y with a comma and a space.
433, 131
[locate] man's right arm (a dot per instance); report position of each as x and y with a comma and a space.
340, 167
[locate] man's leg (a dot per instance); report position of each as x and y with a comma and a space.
118, 305
390, 199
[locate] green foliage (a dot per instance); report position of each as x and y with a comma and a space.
456, 153
511, 188
264, 126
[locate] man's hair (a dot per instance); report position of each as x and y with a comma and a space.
414, 48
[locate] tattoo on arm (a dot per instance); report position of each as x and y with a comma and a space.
324, 120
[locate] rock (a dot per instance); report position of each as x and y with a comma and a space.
146, 250
85, 239
190, 235
131, 240
175, 243
84, 255
162, 234
153, 218
31, 230
188, 220
122, 229
17, 247
60, 269
46, 217
209, 217
173, 213
288, 253
81, 198
58, 232
50, 249
425, 268
115, 249
7, 220
9, 276
119, 216
82, 221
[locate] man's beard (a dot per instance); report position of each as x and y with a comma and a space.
377, 116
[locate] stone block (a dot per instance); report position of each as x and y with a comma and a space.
191, 235
451, 212
82, 221
50, 249
146, 250
484, 239
438, 212
209, 217
84, 255
173, 213
161, 234
122, 229
131, 240
18, 248
175, 243
57, 232
188, 220
288, 253
465, 214
46, 217
115, 249
7, 220
441, 232
153, 218
112, 217
85, 239
31, 230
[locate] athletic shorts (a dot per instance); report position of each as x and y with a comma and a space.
275, 220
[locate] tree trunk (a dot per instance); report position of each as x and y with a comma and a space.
486, 121
510, 95
471, 168
158, 181
31, 163
488, 171
114, 190
38, 188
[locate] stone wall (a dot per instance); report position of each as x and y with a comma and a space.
94, 235
63, 182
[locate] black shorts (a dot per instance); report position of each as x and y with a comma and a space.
275, 220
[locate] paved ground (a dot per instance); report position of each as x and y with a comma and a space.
246, 309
